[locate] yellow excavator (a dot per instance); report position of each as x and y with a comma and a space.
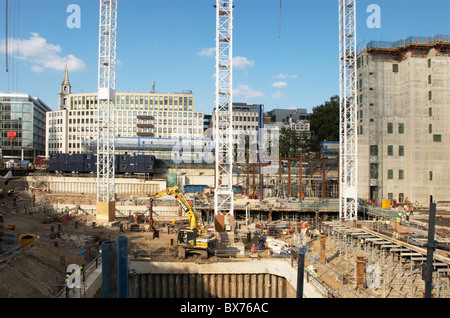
192, 238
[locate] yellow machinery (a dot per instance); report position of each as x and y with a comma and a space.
190, 238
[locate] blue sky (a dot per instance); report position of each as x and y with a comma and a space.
170, 41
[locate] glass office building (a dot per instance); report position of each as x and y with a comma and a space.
23, 117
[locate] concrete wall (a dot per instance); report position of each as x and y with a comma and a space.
79, 185
241, 279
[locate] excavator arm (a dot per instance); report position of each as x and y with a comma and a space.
174, 191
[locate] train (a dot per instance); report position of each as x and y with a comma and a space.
87, 163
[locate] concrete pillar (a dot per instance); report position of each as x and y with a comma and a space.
192, 286
171, 285
243, 280
233, 286
205, 279
143, 286
253, 284
360, 271
226, 286
150, 286
199, 286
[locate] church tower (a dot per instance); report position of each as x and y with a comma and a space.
65, 91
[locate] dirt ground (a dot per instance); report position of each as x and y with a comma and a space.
39, 270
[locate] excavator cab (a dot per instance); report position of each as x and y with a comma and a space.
187, 237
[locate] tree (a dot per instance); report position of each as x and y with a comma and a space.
324, 121
290, 142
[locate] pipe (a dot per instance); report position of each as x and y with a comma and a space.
122, 242
110, 260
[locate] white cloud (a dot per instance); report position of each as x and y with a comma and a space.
209, 52
283, 76
241, 62
41, 54
277, 95
246, 92
279, 84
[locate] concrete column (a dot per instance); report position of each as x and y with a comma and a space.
143, 286
150, 286
233, 286
199, 286
243, 280
172, 285
226, 286
192, 286
212, 279
360, 271
185, 285
219, 285
253, 283
205, 279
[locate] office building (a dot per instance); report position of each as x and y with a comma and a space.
138, 114
22, 126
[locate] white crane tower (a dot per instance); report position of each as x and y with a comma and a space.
348, 165
223, 133
106, 109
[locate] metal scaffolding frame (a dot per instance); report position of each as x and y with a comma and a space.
223, 134
348, 165
106, 100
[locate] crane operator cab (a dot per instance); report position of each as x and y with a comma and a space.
190, 241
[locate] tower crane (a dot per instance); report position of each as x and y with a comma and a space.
106, 110
348, 164
223, 133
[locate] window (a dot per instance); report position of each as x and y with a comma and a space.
429, 79
437, 138
401, 174
390, 174
401, 151
374, 171
430, 175
390, 128
373, 150
429, 63
430, 112
401, 128
390, 150
430, 95
430, 128
390, 196
395, 68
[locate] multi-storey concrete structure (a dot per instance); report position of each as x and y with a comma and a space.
138, 114
404, 120
24, 116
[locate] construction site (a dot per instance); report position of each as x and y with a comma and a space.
223, 230
51, 222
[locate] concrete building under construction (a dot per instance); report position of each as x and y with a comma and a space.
403, 119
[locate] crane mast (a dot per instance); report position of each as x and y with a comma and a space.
223, 133
106, 108
348, 204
